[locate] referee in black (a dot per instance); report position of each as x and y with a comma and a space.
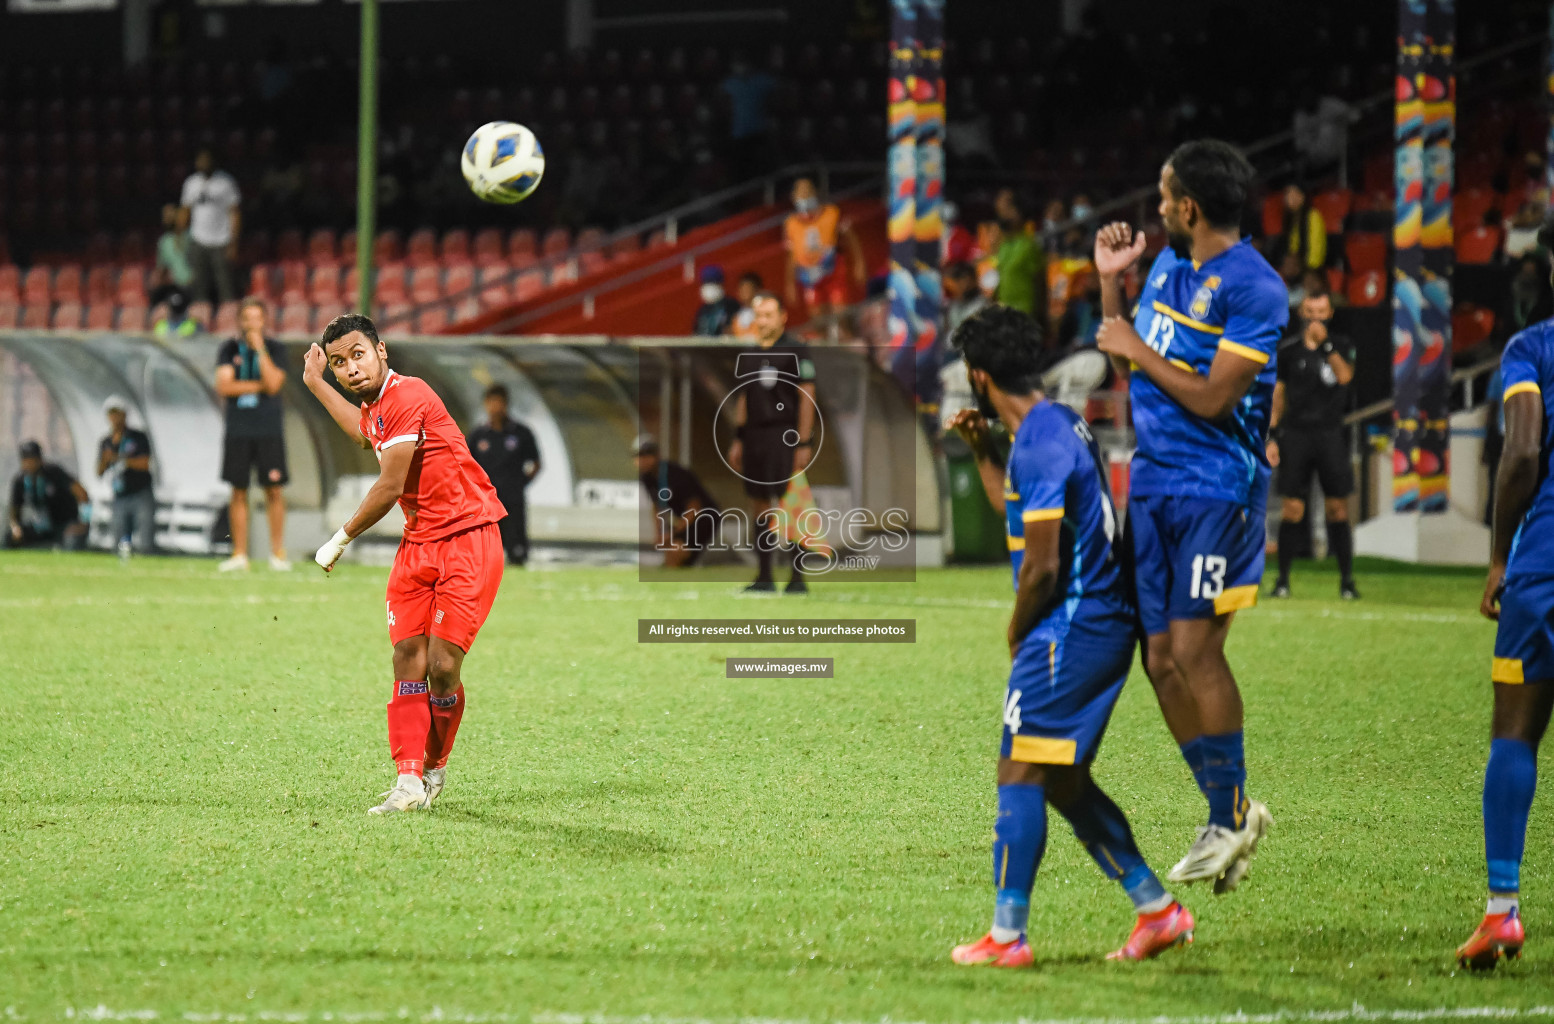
1306, 437
508, 452
775, 415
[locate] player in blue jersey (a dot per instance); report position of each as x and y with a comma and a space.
1519, 594
1200, 351
1070, 636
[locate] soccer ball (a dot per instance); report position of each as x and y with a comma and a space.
502, 162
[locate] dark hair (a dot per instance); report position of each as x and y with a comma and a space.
763, 295
1214, 175
752, 277
254, 300
960, 270
347, 323
1005, 343
497, 391
1318, 288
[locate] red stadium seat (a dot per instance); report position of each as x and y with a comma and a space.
394, 319
488, 246
288, 245
321, 246
522, 243
348, 248
99, 283
1365, 251
132, 317
1478, 246
1378, 172
659, 239
67, 283
324, 286
1471, 326
460, 278
529, 284
259, 281
425, 285
389, 284
625, 247
1273, 214
9, 311
589, 240
1469, 207
35, 287
1477, 171
100, 316
322, 315
294, 282
132, 286
349, 286
592, 262
557, 242
10, 284
226, 319
1334, 205
35, 316
386, 247
524, 261
296, 319
495, 295
1367, 288
431, 319
200, 312
455, 247
1335, 280
67, 317
422, 248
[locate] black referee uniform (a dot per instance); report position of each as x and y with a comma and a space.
771, 380
1314, 443
511, 458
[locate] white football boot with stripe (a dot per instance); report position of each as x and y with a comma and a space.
408, 794
434, 780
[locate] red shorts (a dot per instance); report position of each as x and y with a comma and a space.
445, 588
835, 289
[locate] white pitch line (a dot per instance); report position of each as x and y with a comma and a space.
437, 1015
89, 601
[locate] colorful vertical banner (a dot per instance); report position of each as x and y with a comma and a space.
928, 104
1422, 254
901, 175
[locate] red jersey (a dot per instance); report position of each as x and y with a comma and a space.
446, 491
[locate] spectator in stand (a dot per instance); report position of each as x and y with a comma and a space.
962, 296
747, 91
510, 455
124, 457
685, 515
1322, 134
210, 213
46, 505
1305, 232
1018, 254
1521, 228
1531, 298
174, 320
715, 316
1052, 221
750, 284
959, 245
250, 372
814, 233
172, 272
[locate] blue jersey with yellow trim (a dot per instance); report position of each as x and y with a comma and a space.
1055, 472
1188, 313
1527, 365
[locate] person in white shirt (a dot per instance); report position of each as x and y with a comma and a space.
209, 212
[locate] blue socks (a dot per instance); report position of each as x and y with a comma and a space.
1224, 779
1509, 781
1103, 829
1192, 753
1019, 839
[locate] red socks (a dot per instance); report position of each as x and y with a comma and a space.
445, 713
409, 722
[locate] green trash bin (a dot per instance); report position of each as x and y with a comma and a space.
976, 530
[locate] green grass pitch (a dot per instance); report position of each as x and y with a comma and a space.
188, 758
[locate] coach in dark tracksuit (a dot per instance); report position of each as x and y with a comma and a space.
507, 451
1307, 438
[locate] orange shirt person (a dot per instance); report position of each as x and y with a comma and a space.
813, 233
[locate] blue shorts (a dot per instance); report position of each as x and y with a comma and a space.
1061, 693
1524, 641
1194, 558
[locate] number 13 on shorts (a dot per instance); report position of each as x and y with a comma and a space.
1208, 576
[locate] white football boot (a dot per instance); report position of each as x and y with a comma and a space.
434, 780
408, 794
1257, 821
1210, 856
237, 563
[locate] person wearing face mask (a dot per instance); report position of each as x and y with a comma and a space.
814, 233
715, 315
1019, 256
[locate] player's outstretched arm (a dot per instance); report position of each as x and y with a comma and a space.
1515, 485
395, 468
1038, 577
1212, 397
340, 409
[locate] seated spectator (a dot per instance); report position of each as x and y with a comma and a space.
750, 284
962, 296
715, 315
1302, 283
1019, 255
1305, 232
1521, 229
175, 321
124, 457
46, 504
959, 245
1052, 220
684, 514
172, 272
1531, 299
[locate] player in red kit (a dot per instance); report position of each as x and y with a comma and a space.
449, 564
